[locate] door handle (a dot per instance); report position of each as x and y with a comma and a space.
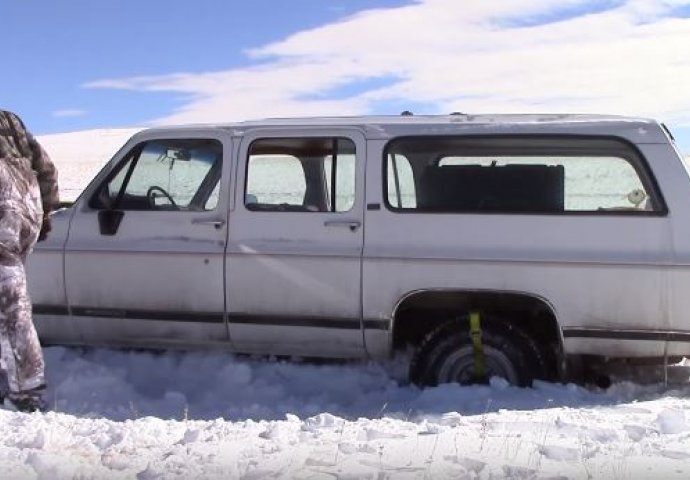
209, 221
353, 225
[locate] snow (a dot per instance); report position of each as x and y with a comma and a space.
175, 415
150, 415
80, 155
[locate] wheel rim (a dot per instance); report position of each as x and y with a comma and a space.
458, 366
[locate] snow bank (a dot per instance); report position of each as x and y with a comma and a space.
79, 156
122, 385
201, 415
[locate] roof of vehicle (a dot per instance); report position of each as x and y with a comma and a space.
639, 130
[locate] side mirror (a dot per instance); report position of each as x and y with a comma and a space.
109, 221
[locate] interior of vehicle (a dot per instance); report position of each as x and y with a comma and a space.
314, 174
508, 175
176, 174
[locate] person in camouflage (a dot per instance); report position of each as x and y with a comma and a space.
28, 193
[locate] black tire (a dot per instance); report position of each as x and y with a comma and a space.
447, 355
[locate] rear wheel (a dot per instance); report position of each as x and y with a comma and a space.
448, 355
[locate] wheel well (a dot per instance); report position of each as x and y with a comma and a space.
420, 313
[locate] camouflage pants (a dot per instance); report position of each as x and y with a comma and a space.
21, 357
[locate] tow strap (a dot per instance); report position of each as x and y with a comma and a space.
477, 346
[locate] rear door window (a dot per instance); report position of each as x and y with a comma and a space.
301, 175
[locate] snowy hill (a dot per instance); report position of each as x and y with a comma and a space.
80, 155
209, 415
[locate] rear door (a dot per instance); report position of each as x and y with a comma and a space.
295, 243
144, 257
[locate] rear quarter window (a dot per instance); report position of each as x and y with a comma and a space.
518, 175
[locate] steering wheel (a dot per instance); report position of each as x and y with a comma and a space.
152, 198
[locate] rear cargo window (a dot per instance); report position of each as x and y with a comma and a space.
518, 175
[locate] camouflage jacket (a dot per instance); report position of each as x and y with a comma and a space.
25, 168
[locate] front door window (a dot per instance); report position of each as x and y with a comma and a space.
165, 175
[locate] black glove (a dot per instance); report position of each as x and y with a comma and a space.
46, 227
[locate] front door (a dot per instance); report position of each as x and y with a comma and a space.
144, 258
295, 243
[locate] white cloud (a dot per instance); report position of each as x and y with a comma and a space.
69, 113
470, 56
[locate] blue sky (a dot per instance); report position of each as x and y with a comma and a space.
83, 64
57, 47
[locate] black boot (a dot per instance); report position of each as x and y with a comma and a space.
29, 400
4, 387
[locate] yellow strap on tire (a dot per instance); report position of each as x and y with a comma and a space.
477, 346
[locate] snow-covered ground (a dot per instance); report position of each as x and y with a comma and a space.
211, 415
139, 415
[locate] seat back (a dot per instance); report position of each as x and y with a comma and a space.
477, 188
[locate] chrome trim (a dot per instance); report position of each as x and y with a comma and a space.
628, 334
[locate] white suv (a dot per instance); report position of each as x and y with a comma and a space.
494, 245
